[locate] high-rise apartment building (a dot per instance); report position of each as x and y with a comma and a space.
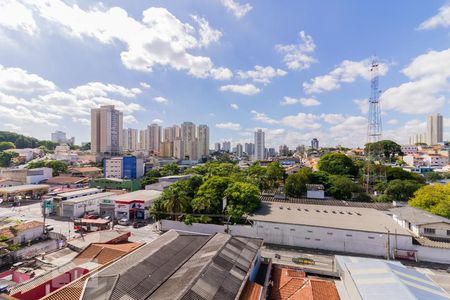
226, 146
315, 143
260, 144
130, 139
188, 130
154, 138
143, 139
283, 150
249, 149
217, 147
203, 141
59, 137
239, 150
435, 133
106, 130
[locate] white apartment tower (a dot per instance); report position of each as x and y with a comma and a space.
435, 132
189, 140
226, 146
239, 150
59, 137
154, 137
130, 139
143, 139
106, 130
260, 144
203, 141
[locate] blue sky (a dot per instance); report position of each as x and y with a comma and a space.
298, 69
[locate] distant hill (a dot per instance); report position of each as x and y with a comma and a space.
22, 141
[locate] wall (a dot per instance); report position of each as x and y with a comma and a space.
165, 225
35, 176
36, 249
439, 255
29, 235
440, 230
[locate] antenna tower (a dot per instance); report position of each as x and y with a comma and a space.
374, 156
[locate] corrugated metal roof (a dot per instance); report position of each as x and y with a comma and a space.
417, 216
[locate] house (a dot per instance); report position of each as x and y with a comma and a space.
78, 207
23, 232
218, 265
134, 205
422, 223
375, 279
315, 191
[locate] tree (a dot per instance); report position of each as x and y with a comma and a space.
59, 167
400, 190
242, 198
319, 177
343, 188
6, 145
148, 180
433, 176
210, 195
387, 148
337, 164
295, 185
170, 170
49, 145
86, 147
434, 198
274, 174
6, 158
398, 173
257, 175
175, 200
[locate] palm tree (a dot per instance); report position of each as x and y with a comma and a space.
175, 200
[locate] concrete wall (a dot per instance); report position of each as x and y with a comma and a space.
28, 235
36, 249
439, 255
165, 225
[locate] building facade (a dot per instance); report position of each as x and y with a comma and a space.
106, 130
127, 167
435, 133
59, 137
130, 139
203, 141
315, 143
239, 150
260, 145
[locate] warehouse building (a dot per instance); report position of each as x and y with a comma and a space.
347, 229
78, 207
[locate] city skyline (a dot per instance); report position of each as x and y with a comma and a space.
226, 67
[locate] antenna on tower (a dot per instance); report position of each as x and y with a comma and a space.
374, 152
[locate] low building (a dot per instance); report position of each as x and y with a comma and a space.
217, 265
63, 152
78, 207
130, 185
9, 182
315, 191
422, 223
127, 167
374, 279
27, 176
33, 191
409, 149
58, 199
23, 232
174, 178
68, 181
435, 160
134, 205
346, 229
159, 186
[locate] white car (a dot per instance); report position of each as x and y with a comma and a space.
124, 222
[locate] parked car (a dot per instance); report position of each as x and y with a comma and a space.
107, 218
48, 228
303, 261
138, 224
91, 216
124, 222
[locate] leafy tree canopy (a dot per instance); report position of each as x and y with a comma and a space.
210, 195
6, 145
242, 198
6, 158
343, 188
170, 170
434, 198
58, 166
398, 173
400, 190
295, 185
389, 149
337, 164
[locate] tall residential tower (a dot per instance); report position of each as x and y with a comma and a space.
435, 133
106, 130
260, 144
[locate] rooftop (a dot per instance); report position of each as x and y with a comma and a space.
376, 279
103, 237
7, 232
66, 180
23, 188
88, 197
217, 266
417, 216
79, 192
142, 195
349, 218
86, 169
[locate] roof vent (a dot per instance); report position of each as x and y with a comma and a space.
298, 208
281, 206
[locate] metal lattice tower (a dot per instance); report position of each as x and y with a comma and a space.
374, 131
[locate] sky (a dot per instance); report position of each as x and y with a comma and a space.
298, 69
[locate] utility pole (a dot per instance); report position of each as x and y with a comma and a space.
388, 244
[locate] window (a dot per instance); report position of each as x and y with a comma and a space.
349, 235
329, 233
448, 232
317, 240
276, 228
429, 231
292, 229
371, 237
310, 231
260, 226
307, 239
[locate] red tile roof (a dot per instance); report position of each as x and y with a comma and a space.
252, 291
289, 284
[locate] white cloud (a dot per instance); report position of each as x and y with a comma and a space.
11, 126
221, 73
363, 105
19, 80
207, 34
426, 91
229, 125
301, 121
159, 39
392, 122
82, 121
245, 89
145, 85
442, 19
262, 74
303, 101
129, 119
333, 118
262, 117
347, 71
297, 56
98, 89
234, 106
16, 16
238, 10
161, 100
157, 121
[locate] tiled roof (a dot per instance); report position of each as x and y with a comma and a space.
66, 180
289, 284
86, 169
252, 291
